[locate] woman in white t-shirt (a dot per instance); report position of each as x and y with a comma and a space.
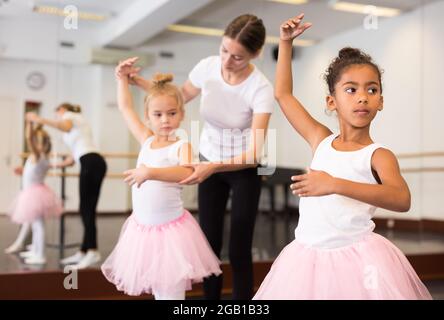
236, 103
78, 137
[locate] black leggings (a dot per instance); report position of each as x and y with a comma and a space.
92, 172
245, 186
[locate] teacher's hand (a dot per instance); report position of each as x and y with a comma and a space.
201, 172
18, 171
126, 69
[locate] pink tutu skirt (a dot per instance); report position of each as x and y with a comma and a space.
33, 202
370, 269
160, 259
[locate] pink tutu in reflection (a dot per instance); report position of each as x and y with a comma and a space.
160, 258
34, 202
370, 269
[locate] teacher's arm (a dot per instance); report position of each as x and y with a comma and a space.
248, 159
251, 157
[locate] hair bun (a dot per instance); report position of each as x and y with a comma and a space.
77, 108
353, 53
162, 78
69, 107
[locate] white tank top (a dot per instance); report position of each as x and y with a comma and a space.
158, 202
34, 172
334, 221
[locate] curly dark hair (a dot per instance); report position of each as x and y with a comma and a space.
347, 57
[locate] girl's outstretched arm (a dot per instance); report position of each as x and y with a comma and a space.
310, 129
392, 194
126, 107
169, 174
62, 125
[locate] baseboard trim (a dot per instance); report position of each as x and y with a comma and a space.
93, 285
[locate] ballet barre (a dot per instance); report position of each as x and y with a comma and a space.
429, 154
420, 155
130, 155
74, 174
426, 169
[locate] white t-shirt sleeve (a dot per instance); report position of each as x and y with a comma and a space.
69, 116
263, 99
74, 118
199, 74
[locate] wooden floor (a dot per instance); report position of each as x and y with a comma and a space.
425, 250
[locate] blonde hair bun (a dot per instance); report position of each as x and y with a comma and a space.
160, 79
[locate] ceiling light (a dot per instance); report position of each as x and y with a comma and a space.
296, 42
62, 13
195, 30
290, 1
364, 9
219, 32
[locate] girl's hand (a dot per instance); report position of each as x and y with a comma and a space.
32, 117
202, 171
126, 69
313, 183
18, 171
292, 28
137, 176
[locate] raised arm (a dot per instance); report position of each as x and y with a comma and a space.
310, 129
189, 91
126, 107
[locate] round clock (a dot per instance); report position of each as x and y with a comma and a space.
35, 80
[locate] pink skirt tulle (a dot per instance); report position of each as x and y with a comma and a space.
370, 269
34, 202
160, 259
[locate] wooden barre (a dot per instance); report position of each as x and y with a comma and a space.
72, 174
431, 169
105, 155
134, 155
121, 175
420, 155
